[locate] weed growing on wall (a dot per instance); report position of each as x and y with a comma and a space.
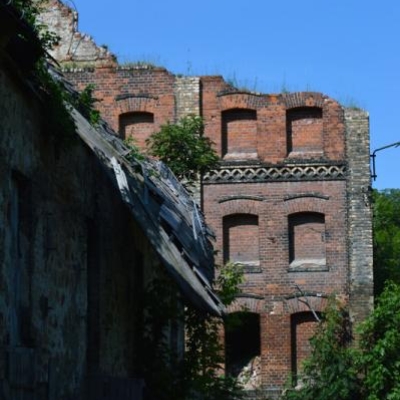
57, 100
134, 151
30, 10
85, 104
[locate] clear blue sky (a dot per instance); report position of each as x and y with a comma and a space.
347, 49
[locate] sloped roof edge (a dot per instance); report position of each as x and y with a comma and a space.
133, 192
179, 258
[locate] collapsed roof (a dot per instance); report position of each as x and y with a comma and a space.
168, 215
162, 207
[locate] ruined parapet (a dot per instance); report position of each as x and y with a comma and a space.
73, 47
187, 102
187, 96
359, 214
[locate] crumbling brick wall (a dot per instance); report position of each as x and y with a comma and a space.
294, 170
270, 182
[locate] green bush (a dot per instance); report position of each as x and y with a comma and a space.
367, 370
184, 148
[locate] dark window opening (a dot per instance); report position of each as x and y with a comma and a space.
242, 342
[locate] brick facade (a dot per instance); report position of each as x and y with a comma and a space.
289, 201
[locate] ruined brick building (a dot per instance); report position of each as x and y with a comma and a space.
289, 202
83, 232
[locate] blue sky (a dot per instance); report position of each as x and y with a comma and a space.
347, 49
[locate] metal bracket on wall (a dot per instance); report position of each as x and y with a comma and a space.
373, 156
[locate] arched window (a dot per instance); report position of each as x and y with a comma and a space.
304, 131
239, 133
307, 240
240, 236
138, 125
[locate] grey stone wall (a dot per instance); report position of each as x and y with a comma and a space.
359, 214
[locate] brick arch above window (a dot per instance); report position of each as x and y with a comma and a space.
297, 304
136, 103
306, 203
239, 134
229, 100
304, 99
240, 206
253, 304
241, 197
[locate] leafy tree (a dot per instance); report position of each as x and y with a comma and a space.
368, 371
330, 372
386, 223
379, 356
184, 148
197, 375
205, 353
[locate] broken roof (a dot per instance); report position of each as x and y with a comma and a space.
168, 215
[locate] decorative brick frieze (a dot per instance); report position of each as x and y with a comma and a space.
236, 174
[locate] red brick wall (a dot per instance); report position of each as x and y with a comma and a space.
273, 212
275, 350
274, 203
314, 121
121, 91
303, 328
253, 128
